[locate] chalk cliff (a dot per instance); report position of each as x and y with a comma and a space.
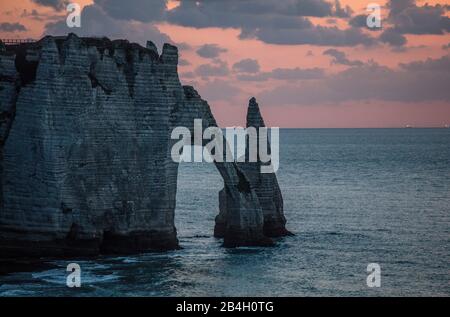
85, 164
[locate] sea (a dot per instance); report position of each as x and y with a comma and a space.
354, 198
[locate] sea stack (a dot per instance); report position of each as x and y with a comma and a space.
85, 164
265, 186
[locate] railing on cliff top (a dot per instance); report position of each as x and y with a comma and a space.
16, 41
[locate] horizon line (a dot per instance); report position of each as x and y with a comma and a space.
406, 128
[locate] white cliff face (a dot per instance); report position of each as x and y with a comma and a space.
85, 150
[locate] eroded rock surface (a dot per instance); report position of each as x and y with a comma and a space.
265, 186
85, 146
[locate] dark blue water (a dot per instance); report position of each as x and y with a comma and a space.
352, 197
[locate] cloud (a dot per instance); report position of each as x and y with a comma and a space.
342, 12
408, 18
412, 82
138, 10
314, 8
183, 46
340, 58
393, 38
183, 62
58, 5
315, 35
38, 16
188, 75
247, 65
398, 6
405, 17
245, 14
95, 22
360, 21
33, 14
218, 90
12, 27
286, 22
210, 51
436, 65
296, 73
288, 74
219, 68
271, 21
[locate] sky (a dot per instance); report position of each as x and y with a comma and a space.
309, 63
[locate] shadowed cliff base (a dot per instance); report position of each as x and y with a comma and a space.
85, 152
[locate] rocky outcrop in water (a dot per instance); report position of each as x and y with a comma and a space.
85, 162
265, 185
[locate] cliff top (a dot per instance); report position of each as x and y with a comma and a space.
103, 44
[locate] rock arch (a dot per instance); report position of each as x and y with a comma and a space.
85, 163
242, 220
